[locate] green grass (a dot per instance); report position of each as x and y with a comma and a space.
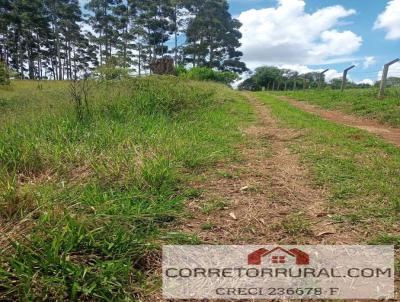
296, 224
362, 102
360, 170
85, 204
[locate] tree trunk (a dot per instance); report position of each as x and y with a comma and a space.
176, 34
140, 60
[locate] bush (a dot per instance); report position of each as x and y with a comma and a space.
110, 71
4, 74
166, 95
208, 74
180, 70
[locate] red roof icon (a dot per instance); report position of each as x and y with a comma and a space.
255, 258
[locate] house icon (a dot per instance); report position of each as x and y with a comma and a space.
279, 255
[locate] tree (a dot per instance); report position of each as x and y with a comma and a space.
266, 76
213, 37
44, 38
101, 19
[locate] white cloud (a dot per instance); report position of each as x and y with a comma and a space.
366, 81
368, 62
286, 34
389, 20
394, 71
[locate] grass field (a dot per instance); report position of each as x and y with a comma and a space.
362, 102
360, 171
85, 203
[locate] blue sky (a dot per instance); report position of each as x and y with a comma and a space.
315, 34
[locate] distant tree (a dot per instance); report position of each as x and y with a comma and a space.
313, 79
393, 82
101, 19
266, 76
249, 84
213, 37
46, 38
336, 83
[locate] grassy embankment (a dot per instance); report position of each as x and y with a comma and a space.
362, 102
84, 203
360, 170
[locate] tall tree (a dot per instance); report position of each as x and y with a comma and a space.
213, 36
101, 20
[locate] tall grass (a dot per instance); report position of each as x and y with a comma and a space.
84, 203
363, 102
360, 170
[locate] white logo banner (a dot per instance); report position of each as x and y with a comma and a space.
278, 272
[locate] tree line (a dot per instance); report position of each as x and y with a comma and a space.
57, 39
274, 78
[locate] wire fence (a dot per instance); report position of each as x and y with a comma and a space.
381, 82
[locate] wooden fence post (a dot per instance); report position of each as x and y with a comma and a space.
321, 75
344, 80
384, 77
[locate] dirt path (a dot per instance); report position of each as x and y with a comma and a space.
388, 133
266, 197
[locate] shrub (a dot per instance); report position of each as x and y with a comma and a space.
167, 95
208, 74
180, 70
110, 71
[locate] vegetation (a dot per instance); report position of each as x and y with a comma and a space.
4, 74
363, 102
274, 78
85, 202
208, 74
359, 169
269, 77
44, 38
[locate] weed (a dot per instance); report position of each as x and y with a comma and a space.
296, 224
387, 239
214, 205
79, 92
208, 226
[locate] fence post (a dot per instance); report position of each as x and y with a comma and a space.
344, 80
321, 75
285, 86
384, 77
273, 86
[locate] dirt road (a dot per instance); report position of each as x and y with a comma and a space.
388, 133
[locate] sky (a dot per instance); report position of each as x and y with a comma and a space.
308, 35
